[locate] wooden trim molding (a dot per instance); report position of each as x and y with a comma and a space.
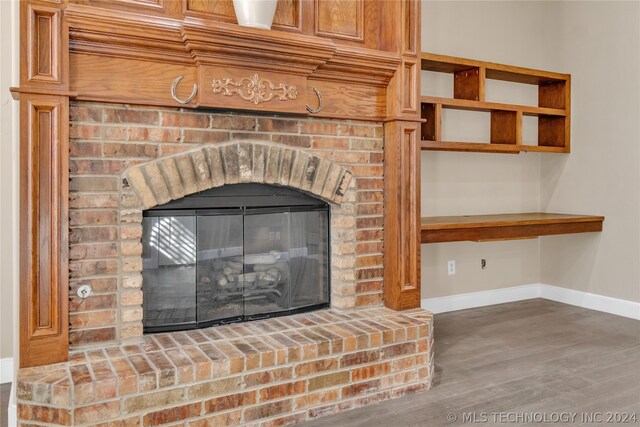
410, 30
16, 91
124, 35
402, 215
44, 183
112, 51
410, 76
44, 229
356, 65
44, 33
43, 59
402, 170
192, 41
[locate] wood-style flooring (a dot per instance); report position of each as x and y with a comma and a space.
534, 357
5, 392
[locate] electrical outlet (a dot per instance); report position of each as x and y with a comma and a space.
451, 268
483, 263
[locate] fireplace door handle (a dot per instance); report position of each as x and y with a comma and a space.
316, 110
174, 86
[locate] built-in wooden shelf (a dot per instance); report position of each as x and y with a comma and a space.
492, 70
485, 148
467, 104
552, 111
478, 228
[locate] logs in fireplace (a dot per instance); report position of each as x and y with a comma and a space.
234, 253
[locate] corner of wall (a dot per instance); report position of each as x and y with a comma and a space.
599, 44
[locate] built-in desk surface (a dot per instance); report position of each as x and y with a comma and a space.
477, 228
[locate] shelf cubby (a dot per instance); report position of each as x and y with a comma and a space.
552, 112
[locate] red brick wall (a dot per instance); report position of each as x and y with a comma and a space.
105, 234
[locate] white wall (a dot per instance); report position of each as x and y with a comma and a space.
599, 44
480, 183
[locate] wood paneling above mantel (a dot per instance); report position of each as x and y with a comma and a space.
125, 56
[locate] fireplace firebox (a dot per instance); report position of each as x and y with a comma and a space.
234, 253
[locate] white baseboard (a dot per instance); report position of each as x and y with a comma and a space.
12, 409
6, 370
537, 290
480, 299
596, 302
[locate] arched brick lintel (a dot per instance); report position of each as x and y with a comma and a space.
159, 181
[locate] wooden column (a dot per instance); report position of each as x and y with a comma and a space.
44, 182
402, 167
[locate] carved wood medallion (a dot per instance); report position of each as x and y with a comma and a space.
254, 89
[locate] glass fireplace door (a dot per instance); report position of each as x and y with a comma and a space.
212, 258
266, 262
220, 278
286, 260
308, 254
169, 270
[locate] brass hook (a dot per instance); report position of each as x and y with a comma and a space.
174, 86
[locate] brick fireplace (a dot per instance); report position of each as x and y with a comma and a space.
125, 159
118, 149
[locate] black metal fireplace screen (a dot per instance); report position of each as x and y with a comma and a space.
235, 253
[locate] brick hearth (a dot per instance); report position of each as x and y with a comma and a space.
271, 372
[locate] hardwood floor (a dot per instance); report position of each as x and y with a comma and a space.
532, 357
5, 392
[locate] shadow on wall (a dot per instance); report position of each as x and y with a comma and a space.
572, 259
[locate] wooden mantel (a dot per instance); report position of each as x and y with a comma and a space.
357, 59
124, 49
